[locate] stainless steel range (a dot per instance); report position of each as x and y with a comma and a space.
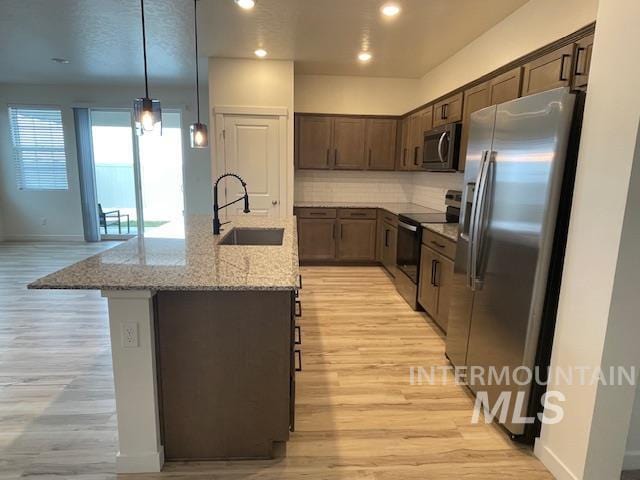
409, 240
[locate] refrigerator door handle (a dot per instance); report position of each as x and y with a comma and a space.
472, 219
479, 220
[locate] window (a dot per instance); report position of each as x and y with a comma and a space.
38, 148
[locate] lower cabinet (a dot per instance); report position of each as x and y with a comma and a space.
316, 238
356, 240
436, 277
329, 235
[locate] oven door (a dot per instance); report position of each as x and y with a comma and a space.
408, 254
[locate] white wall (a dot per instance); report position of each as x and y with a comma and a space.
535, 24
597, 322
355, 95
253, 83
22, 211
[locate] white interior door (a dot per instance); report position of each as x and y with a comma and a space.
252, 150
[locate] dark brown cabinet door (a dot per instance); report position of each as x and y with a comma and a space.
505, 87
552, 70
356, 240
348, 143
428, 289
475, 98
380, 147
444, 279
583, 62
448, 110
316, 238
389, 247
403, 154
314, 142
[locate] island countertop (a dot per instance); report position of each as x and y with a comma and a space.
192, 260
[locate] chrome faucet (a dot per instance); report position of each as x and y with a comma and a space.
217, 208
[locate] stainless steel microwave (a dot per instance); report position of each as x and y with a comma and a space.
442, 148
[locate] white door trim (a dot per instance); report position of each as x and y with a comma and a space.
286, 166
250, 110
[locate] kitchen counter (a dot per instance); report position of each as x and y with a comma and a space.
194, 261
447, 230
395, 208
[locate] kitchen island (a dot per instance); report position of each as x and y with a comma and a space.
202, 339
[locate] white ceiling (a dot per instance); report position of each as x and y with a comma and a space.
102, 38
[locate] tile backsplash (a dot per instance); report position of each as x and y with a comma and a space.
423, 188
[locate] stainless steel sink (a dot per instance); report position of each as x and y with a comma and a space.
253, 236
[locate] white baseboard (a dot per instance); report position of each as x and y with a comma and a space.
631, 460
151, 462
557, 468
43, 238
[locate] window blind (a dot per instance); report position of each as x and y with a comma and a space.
38, 148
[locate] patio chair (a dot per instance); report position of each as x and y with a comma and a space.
114, 217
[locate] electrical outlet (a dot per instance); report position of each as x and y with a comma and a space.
43, 221
130, 335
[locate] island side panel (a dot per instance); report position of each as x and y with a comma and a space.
134, 374
224, 370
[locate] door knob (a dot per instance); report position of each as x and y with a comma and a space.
274, 202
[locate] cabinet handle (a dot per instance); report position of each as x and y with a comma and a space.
298, 367
404, 157
357, 214
297, 311
577, 69
335, 157
297, 340
562, 79
319, 214
386, 237
369, 157
444, 111
436, 274
415, 156
340, 227
300, 281
328, 156
439, 245
433, 271
333, 231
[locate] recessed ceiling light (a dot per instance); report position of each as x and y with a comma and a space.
261, 52
63, 61
364, 56
390, 9
245, 4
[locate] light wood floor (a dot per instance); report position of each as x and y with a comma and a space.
357, 415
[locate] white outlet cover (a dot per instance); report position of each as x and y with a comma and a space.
130, 335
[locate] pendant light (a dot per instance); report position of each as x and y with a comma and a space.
147, 113
198, 131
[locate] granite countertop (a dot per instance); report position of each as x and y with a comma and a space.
192, 260
447, 230
395, 208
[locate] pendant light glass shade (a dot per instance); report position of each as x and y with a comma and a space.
199, 135
146, 111
148, 116
197, 131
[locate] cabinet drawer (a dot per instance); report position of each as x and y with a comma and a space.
388, 217
438, 243
362, 213
316, 212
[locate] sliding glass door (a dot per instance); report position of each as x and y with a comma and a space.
138, 179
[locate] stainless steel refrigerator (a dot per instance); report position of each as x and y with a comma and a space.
512, 191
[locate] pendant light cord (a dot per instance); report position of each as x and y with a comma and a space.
195, 29
144, 51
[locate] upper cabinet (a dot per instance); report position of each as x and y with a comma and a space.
345, 143
583, 62
448, 110
413, 138
552, 70
314, 142
499, 89
380, 147
348, 143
